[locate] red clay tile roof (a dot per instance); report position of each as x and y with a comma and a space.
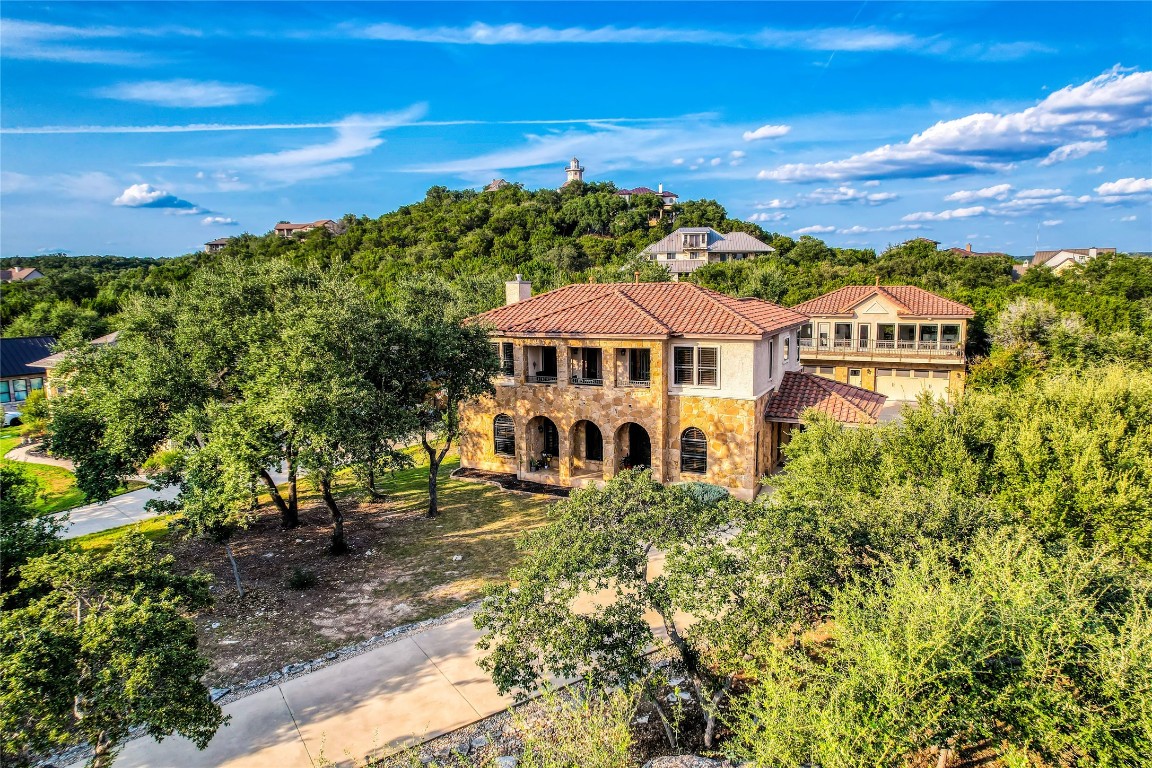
639, 309
800, 391
909, 300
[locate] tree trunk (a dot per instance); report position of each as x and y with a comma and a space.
710, 712
669, 733
293, 505
945, 755
288, 517
102, 755
434, 460
373, 491
235, 567
339, 546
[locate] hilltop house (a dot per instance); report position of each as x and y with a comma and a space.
217, 245
286, 229
668, 197
20, 274
20, 372
689, 248
897, 340
1060, 260
694, 384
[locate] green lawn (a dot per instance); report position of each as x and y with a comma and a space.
154, 528
58, 491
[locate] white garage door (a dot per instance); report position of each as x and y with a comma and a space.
905, 385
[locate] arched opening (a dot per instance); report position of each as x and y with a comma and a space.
693, 451
587, 449
543, 443
503, 435
633, 446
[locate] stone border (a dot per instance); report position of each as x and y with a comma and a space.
497, 484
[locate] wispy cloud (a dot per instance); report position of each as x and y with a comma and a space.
861, 230
815, 229
829, 39
1116, 103
222, 221
997, 192
1124, 187
40, 41
1052, 222
148, 196
185, 93
949, 215
767, 132
1073, 151
764, 216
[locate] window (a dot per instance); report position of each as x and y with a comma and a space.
20, 390
693, 451
922, 374
37, 383
696, 365
507, 359
950, 334
771, 355
639, 365
853, 373
5, 392
843, 332
707, 366
826, 370
907, 333
787, 347
503, 435
929, 333
939, 374
806, 331
886, 332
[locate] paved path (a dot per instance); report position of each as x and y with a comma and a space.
125, 509
20, 453
415, 689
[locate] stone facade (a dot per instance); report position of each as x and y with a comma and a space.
741, 447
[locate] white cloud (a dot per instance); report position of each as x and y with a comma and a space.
776, 203
1114, 104
860, 230
148, 196
765, 216
846, 194
219, 220
997, 192
1038, 194
185, 93
1033, 200
715, 161
816, 229
1074, 151
1123, 187
1128, 218
767, 132
678, 161
1052, 222
955, 213
872, 183
736, 154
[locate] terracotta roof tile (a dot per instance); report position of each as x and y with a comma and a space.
639, 309
800, 391
910, 301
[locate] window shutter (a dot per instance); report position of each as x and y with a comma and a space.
682, 365
707, 368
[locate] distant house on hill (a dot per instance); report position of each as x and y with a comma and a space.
20, 372
689, 248
496, 184
575, 172
967, 251
287, 229
20, 274
669, 198
217, 245
1064, 258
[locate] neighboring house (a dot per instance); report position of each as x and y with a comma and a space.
669, 198
20, 372
285, 229
55, 383
595, 378
967, 251
20, 274
689, 248
496, 184
217, 245
1062, 259
898, 340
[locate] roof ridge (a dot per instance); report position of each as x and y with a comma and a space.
623, 292
826, 385
540, 310
884, 289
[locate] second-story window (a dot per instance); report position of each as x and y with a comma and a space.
639, 366
507, 359
771, 356
787, 347
698, 366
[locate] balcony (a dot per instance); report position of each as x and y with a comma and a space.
541, 379
639, 384
857, 348
580, 381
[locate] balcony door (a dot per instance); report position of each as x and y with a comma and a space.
823, 331
862, 334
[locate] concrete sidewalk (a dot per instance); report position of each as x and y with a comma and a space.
415, 689
125, 509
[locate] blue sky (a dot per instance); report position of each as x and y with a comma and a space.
145, 129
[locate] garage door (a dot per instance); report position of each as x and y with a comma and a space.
905, 385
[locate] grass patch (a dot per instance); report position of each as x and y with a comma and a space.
154, 529
58, 491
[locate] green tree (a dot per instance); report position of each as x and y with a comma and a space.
24, 533
105, 646
581, 594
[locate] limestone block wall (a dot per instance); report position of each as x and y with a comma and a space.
732, 430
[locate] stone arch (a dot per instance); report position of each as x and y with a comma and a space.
542, 438
633, 446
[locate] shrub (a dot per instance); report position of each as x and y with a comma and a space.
302, 578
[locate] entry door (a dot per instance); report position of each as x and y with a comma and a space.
862, 333
551, 439
823, 328
854, 376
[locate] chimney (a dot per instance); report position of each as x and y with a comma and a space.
517, 290
636, 276
969, 248
1092, 253
877, 281
661, 188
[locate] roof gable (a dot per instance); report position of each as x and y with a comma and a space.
908, 300
799, 392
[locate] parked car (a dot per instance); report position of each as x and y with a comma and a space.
12, 418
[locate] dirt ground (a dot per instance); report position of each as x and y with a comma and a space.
403, 567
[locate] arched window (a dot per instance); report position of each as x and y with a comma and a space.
503, 435
693, 451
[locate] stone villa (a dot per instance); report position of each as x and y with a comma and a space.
897, 340
694, 384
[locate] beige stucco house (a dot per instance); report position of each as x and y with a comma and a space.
897, 340
1062, 259
694, 384
689, 248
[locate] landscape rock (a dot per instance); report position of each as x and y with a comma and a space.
479, 742
683, 761
505, 761
215, 694
331, 655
